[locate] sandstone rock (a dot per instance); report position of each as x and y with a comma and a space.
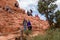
11, 22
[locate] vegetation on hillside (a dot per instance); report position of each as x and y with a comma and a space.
50, 35
47, 7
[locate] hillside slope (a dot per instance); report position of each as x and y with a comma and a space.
11, 20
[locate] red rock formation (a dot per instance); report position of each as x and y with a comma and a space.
11, 21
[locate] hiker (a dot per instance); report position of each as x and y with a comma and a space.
8, 9
16, 4
29, 25
25, 24
29, 13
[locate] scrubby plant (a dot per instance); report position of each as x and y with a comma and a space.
50, 35
27, 32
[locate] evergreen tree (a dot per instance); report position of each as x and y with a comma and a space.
57, 18
47, 8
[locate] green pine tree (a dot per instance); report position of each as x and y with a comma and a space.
57, 18
47, 8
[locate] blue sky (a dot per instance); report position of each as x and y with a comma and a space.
32, 4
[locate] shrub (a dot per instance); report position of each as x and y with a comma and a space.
50, 35
27, 32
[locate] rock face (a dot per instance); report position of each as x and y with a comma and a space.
11, 18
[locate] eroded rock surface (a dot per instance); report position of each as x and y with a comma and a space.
11, 18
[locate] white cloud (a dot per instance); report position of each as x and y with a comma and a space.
27, 4
58, 3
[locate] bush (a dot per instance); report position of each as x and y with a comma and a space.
27, 32
50, 35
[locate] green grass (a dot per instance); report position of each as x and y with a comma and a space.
27, 32
50, 35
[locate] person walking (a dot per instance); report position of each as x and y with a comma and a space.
29, 25
29, 13
25, 24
